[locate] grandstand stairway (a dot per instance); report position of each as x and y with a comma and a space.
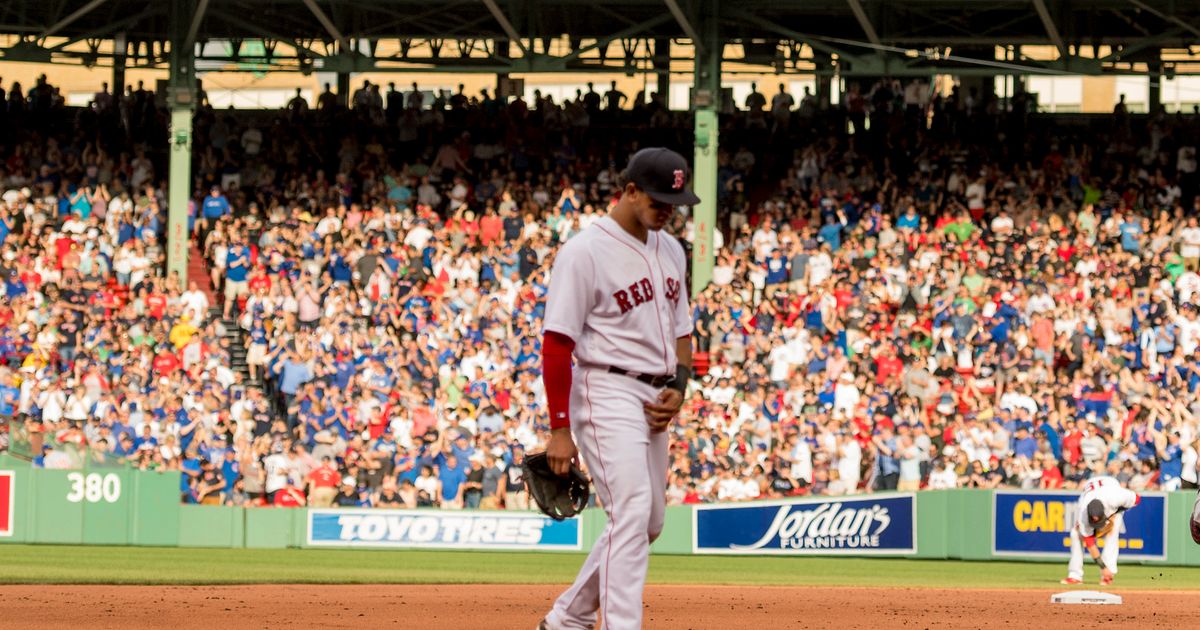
197, 272
237, 345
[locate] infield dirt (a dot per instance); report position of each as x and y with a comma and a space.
500, 607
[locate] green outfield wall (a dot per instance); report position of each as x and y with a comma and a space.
127, 507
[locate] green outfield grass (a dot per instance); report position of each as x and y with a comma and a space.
36, 564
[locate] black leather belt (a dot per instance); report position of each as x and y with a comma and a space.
653, 380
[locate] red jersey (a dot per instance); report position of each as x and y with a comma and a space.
289, 497
886, 367
324, 477
260, 282
166, 363
157, 305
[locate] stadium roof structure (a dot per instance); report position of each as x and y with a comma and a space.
847, 37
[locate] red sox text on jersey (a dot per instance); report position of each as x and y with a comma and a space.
642, 291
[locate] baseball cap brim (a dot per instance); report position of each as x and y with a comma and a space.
680, 198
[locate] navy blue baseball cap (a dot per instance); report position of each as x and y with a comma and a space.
663, 174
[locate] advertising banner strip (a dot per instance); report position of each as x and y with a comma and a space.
7, 502
873, 525
424, 529
1038, 523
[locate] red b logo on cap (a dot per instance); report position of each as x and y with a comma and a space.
678, 179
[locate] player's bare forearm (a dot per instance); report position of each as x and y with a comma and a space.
670, 400
683, 350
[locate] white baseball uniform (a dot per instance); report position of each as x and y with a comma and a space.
623, 303
1115, 500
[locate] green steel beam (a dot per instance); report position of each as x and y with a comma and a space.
706, 100
181, 89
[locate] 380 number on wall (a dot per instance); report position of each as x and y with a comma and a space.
94, 488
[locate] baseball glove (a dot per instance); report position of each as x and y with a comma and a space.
558, 497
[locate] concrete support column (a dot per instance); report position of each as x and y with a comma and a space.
706, 104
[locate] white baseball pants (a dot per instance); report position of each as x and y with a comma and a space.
628, 467
1108, 553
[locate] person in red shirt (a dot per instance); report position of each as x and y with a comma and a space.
490, 227
1052, 478
1071, 444
260, 282
887, 365
289, 497
166, 363
156, 304
62, 247
323, 484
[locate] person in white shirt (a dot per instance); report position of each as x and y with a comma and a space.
1188, 327
1190, 461
1002, 226
749, 489
976, 191
277, 467
942, 477
729, 488
849, 463
820, 267
846, 395
195, 303
1189, 247
802, 466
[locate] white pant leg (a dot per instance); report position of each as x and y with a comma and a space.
1075, 566
1195, 524
1112, 544
612, 434
657, 460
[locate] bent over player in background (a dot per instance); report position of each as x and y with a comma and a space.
617, 302
1098, 514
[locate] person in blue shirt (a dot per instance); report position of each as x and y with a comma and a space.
451, 475
339, 268
14, 287
1171, 466
777, 268
237, 269
146, 440
1024, 444
887, 464
9, 394
1131, 233
214, 207
231, 469
831, 233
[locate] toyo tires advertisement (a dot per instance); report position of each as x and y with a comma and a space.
874, 525
441, 529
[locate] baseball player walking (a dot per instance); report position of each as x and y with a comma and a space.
1099, 515
617, 303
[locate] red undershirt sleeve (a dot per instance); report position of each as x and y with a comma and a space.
556, 376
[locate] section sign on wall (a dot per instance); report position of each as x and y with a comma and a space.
1031, 523
877, 525
7, 502
453, 530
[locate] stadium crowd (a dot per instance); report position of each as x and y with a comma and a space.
911, 291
